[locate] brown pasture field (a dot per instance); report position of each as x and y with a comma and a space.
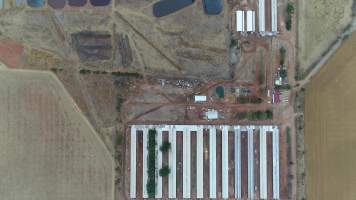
330, 128
48, 150
319, 24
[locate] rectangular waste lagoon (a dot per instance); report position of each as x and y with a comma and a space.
166, 7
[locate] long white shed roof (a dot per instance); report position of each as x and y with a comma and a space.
240, 21
261, 16
274, 15
250, 20
199, 98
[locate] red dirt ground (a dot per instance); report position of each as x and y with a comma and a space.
244, 165
139, 160
10, 52
256, 167
218, 164
231, 165
268, 15
206, 164
283, 164
180, 165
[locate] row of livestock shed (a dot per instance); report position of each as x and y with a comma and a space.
225, 161
247, 18
250, 21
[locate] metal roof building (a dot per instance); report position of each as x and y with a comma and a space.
211, 114
240, 21
250, 21
274, 15
199, 98
261, 16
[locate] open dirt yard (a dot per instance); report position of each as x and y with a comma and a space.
127, 37
319, 24
48, 150
330, 128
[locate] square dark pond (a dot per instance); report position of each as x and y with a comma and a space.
36, 3
100, 2
77, 3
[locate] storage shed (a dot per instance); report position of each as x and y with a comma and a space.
250, 21
240, 21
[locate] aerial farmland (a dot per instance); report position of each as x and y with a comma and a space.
164, 99
47, 144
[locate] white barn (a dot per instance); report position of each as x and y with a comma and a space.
199, 98
274, 16
240, 21
250, 21
261, 16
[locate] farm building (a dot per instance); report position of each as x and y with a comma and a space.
211, 114
261, 16
166, 7
208, 161
250, 21
274, 16
212, 7
199, 98
240, 21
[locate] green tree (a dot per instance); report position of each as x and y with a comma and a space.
282, 53
269, 114
165, 147
164, 171
220, 91
283, 73
151, 166
290, 8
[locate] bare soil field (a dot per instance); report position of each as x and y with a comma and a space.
48, 150
187, 42
330, 128
319, 24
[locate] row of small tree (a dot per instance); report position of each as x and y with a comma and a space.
165, 170
151, 166
290, 11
